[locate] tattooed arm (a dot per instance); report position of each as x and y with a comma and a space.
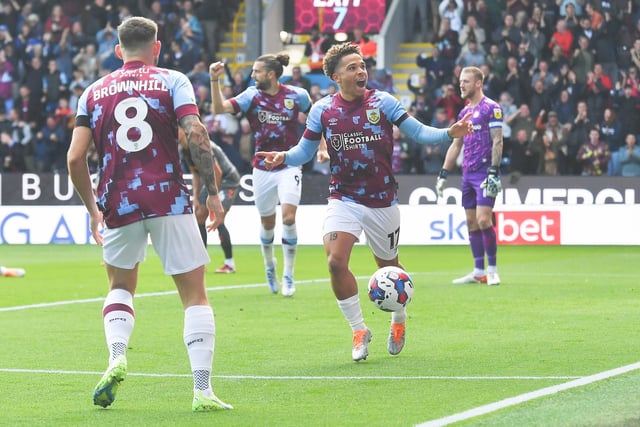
200, 149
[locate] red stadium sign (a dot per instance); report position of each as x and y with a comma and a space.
334, 16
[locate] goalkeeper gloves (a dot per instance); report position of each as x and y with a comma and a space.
491, 185
441, 181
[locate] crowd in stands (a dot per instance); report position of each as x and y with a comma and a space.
559, 68
565, 73
50, 51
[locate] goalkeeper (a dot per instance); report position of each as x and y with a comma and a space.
480, 175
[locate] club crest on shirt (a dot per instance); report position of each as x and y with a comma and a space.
373, 115
497, 113
289, 103
336, 142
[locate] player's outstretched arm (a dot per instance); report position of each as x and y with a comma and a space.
272, 159
462, 127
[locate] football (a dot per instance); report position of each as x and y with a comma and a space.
390, 288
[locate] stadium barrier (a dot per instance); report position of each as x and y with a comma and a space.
44, 209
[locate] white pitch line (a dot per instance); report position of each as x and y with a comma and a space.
295, 377
516, 400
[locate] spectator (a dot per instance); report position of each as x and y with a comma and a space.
492, 85
629, 156
22, 134
594, 16
54, 86
507, 35
450, 101
422, 107
582, 60
447, 42
315, 49
472, 57
381, 79
540, 100
472, 32
49, 145
5, 36
7, 78
612, 134
514, 84
57, 24
77, 38
635, 52
29, 107
315, 92
436, 69
598, 90
496, 62
521, 158
87, 62
106, 40
526, 62
551, 143
557, 62
190, 42
522, 121
543, 75
509, 111
572, 18
594, 155
368, 47
578, 133
95, 16
534, 39
570, 4
209, 15
433, 154
604, 45
584, 30
11, 159
564, 106
452, 10
628, 106
297, 79
563, 38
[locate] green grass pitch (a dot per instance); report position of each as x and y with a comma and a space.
561, 314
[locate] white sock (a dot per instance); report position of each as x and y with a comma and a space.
199, 338
352, 311
492, 269
290, 248
118, 318
266, 240
477, 272
230, 262
399, 316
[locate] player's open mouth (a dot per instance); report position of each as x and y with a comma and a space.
361, 83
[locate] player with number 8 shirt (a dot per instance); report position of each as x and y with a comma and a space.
132, 116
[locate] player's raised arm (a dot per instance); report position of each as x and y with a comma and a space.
219, 104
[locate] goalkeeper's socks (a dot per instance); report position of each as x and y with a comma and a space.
478, 272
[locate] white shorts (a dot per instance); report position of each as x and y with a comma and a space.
381, 226
284, 186
175, 238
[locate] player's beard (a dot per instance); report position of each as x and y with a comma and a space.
263, 85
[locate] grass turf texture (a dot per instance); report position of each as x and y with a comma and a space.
564, 312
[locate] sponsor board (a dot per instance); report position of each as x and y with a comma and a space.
421, 225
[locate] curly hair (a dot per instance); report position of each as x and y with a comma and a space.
335, 54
